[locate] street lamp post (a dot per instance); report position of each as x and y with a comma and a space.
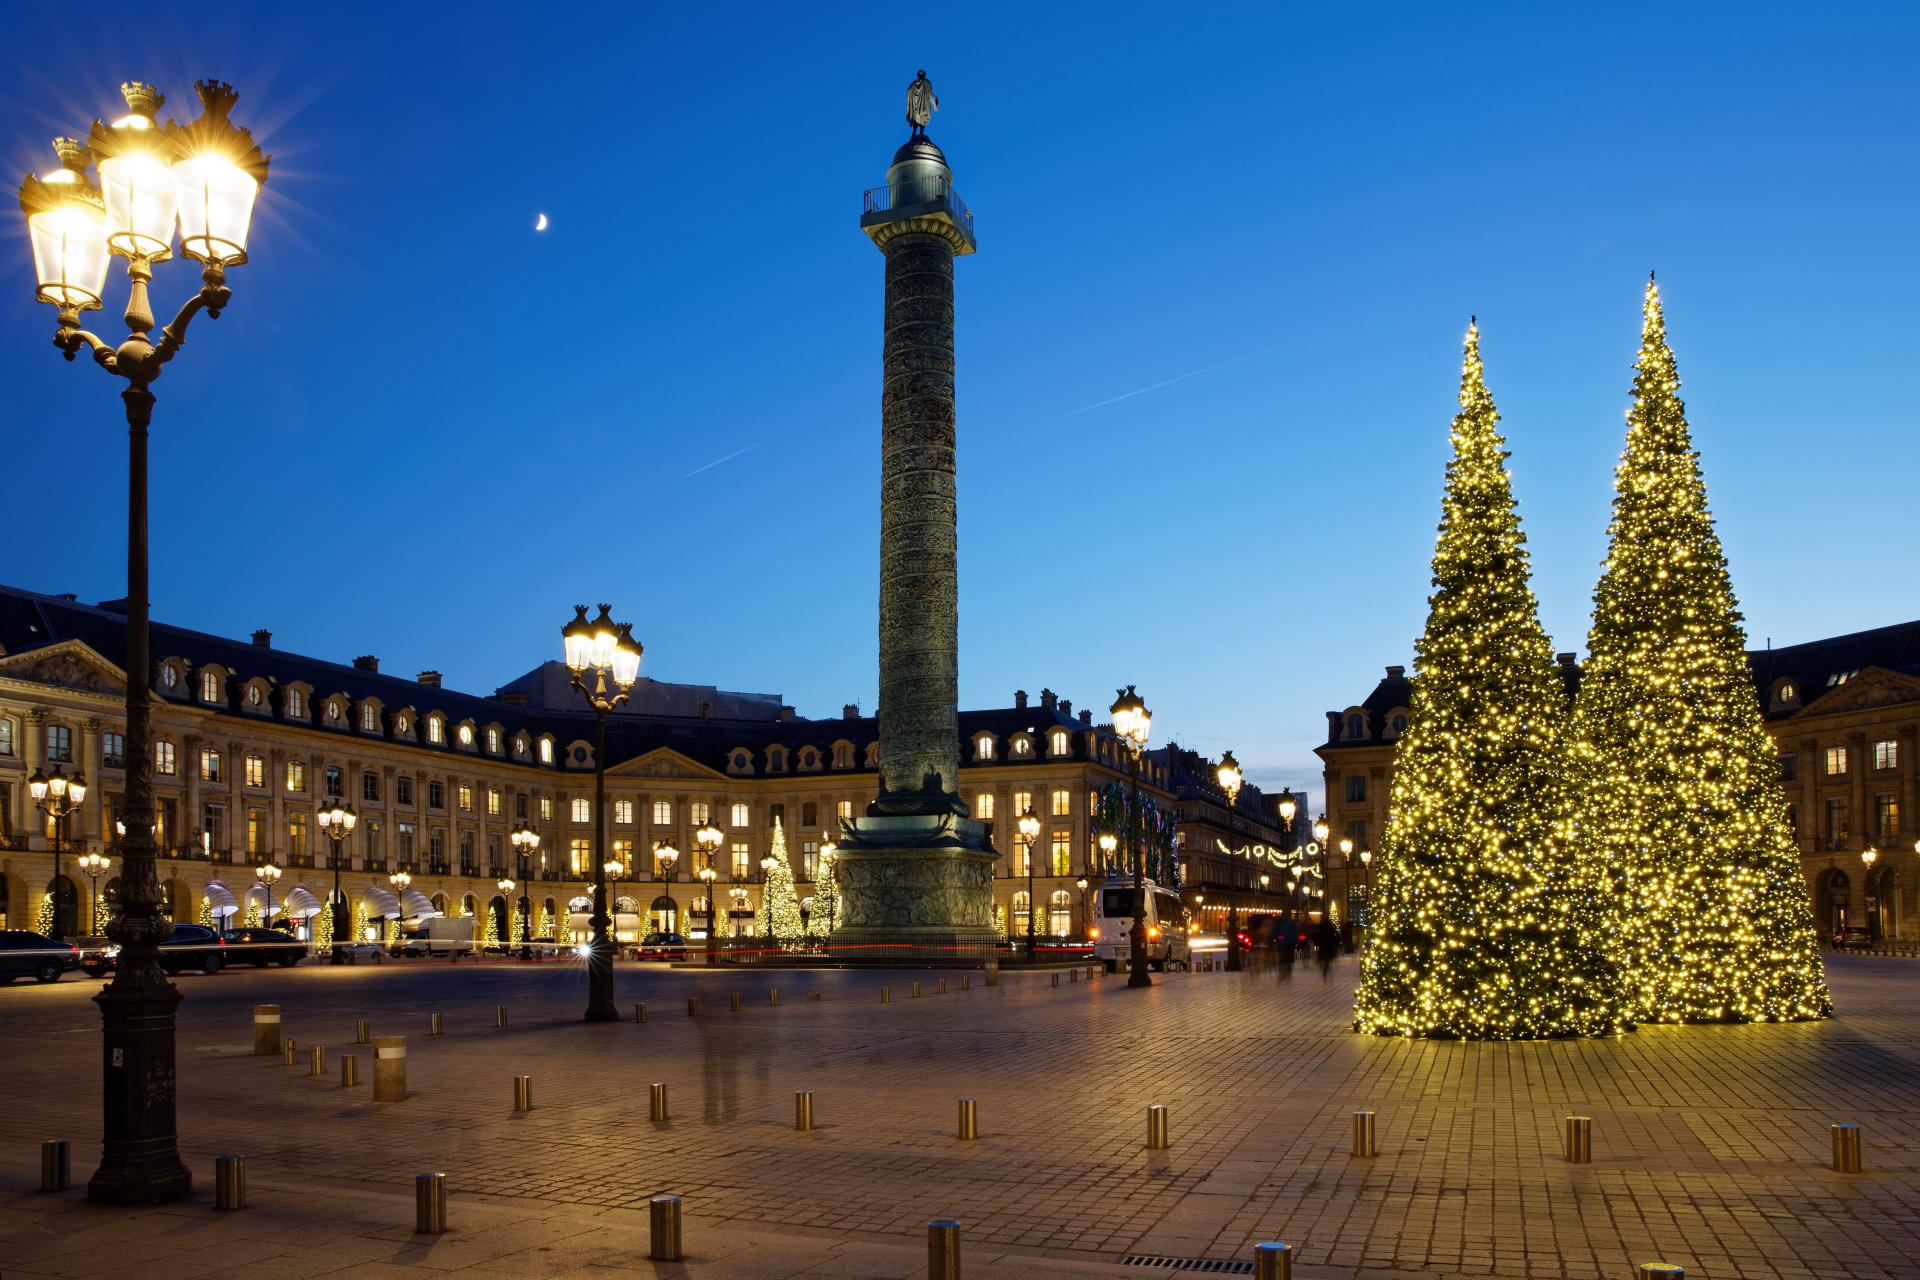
613, 867
525, 840
709, 838
829, 851
1366, 879
1869, 856
707, 877
605, 652
399, 880
337, 822
57, 796
1133, 722
201, 178
506, 886
666, 856
1029, 826
95, 866
1320, 829
269, 872
1082, 883
1231, 780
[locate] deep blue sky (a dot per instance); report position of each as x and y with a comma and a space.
423, 431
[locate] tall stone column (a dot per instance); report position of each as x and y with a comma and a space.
916, 872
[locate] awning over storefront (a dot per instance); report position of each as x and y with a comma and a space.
418, 905
220, 899
380, 902
300, 903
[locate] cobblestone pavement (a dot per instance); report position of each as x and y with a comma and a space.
1710, 1144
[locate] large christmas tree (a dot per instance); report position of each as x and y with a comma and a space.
1475, 931
779, 916
1680, 794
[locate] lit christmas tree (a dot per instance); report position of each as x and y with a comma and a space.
322, 927
489, 929
360, 921
1474, 933
779, 916
43, 917
205, 914
1680, 793
826, 897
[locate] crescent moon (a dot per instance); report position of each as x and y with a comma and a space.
540, 223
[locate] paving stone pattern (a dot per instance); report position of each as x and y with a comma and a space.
1709, 1143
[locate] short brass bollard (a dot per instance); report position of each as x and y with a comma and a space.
886, 994
318, 1061
943, 1249
1056, 979
56, 1165
499, 1015
389, 1068
1157, 1127
940, 987
1659, 1271
657, 1102
1273, 1260
966, 982
639, 1013
287, 1050
349, 1071
773, 998
230, 1181
433, 1025
362, 1032
1363, 1133
266, 1030
1579, 1140
523, 1093
969, 1120
663, 1228
693, 1005
736, 1002
993, 973
916, 991
803, 1110
1846, 1148
429, 1203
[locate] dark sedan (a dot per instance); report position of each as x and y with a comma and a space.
192, 946
662, 946
25, 954
262, 947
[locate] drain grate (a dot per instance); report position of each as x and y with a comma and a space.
1204, 1266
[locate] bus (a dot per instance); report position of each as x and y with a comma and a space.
1110, 929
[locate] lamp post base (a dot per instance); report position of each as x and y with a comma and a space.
600, 1007
140, 1156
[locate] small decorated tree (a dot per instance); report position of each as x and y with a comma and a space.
826, 897
43, 918
322, 927
360, 921
779, 917
205, 915
489, 928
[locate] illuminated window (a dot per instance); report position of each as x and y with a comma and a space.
296, 775
580, 857
296, 704
256, 831
546, 751
546, 808
297, 834
405, 846
623, 854
1886, 817
698, 812
1836, 761
466, 735
210, 686
809, 859
1061, 853
623, 812
1020, 908
520, 745
465, 797
6, 737
740, 816
256, 768
1058, 742
582, 809
493, 802
493, 742
400, 724
334, 711
1022, 746
369, 717
983, 747
209, 766
982, 806
1886, 754
740, 861
163, 758
1062, 804
1022, 801
844, 809
436, 729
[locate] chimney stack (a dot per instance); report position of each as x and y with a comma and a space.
851, 711
430, 678
1066, 706
1566, 659
1049, 700
1020, 699
1086, 717
786, 715
367, 662
263, 639
1396, 673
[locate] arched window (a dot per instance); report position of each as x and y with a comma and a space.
436, 730
1059, 742
1399, 725
1060, 913
666, 916
1021, 906
983, 747
1356, 726
776, 759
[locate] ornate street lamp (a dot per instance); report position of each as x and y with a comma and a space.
506, 887
203, 178
1869, 856
95, 866
268, 872
605, 661
399, 880
1029, 827
524, 840
709, 838
57, 796
613, 867
707, 876
1231, 780
337, 822
1082, 883
1132, 722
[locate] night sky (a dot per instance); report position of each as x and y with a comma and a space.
1208, 349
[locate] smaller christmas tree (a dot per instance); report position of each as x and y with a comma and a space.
205, 915
360, 921
779, 917
490, 928
323, 927
43, 918
549, 928
253, 914
826, 897
393, 930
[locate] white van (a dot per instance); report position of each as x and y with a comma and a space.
1113, 922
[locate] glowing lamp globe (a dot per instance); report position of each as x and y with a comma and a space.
626, 658
217, 178
1230, 776
136, 177
577, 640
67, 225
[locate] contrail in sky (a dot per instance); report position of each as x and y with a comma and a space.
1170, 381
724, 458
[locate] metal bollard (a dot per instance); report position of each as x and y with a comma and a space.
693, 1005
389, 1068
803, 1110
349, 1071
993, 973
266, 1030
969, 1120
886, 994
433, 1025
499, 1015
1157, 1127
230, 1181
663, 1228
361, 1032
1846, 1148
287, 1050
916, 991
943, 1249
1273, 1260
639, 1013
1659, 1271
657, 1102
940, 987
1363, 1133
1056, 979
429, 1203
773, 998
736, 1002
523, 1093
56, 1165
319, 1061
1073, 975
1579, 1140
966, 982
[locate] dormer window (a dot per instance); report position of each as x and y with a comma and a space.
254, 696
1022, 746
809, 758
211, 687
1058, 743
983, 747
1356, 726
296, 704
436, 730
776, 759
169, 676
493, 741
546, 751
1397, 726
466, 735
520, 745
740, 761
843, 755
369, 718
401, 724
872, 756
334, 711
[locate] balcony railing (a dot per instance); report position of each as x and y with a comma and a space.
918, 191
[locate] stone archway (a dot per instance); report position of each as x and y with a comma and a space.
66, 907
176, 897
1882, 906
502, 926
1835, 899
663, 916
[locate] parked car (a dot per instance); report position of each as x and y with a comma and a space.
355, 951
94, 953
262, 947
24, 953
1853, 937
661, 946
191, 946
